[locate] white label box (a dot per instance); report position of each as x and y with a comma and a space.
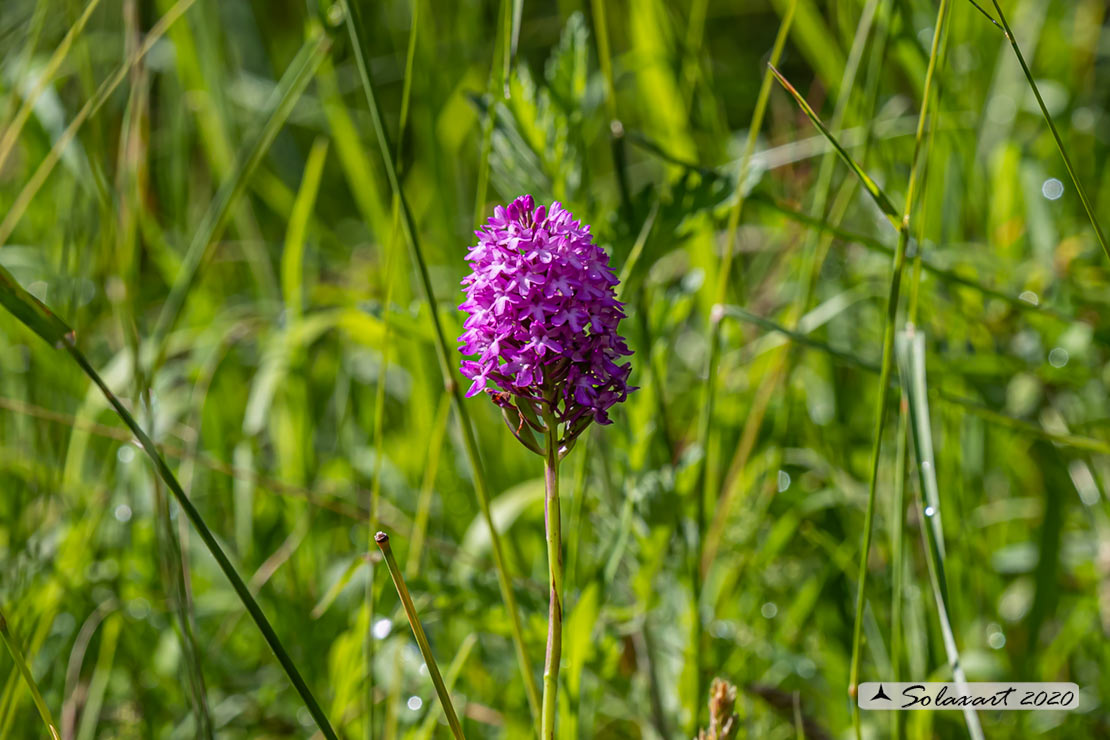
986, 696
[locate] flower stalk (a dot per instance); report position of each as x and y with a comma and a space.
553, 527
542, 342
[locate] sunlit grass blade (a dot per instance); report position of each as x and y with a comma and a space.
1082, 191
911, 366
284, 97
443, 353
872, 188
27, 194
616, 128
292, 255
514, 38
25, 671
418, 632
910, 349
45, 77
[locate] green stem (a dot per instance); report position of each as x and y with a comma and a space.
897, 564
25, 671
887, 363
418, 632
553, 527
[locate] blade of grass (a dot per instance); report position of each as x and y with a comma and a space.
911, 365
416, 543
453, 671
513, 24
98, 683
292, 255
897, 560
369, 645
872, 188
506, 46
902, 224
25, 671
616, 128
1002, 24
418, 632
76, 659
914, 401
284, 97
55, 331
19, 206
427, 487
443, 352
1051, 538
704, 481
45, 77
813, 257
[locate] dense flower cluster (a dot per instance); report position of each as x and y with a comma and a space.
543, 314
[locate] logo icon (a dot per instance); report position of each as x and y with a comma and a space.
880, 694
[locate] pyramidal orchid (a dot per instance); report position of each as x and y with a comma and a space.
543, 341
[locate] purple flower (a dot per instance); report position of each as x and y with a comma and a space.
543, 315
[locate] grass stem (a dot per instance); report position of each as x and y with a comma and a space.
418, 632
887, 364
25, 671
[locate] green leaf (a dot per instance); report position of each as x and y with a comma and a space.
873, 190
579, 636
31, 311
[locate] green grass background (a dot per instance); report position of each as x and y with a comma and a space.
220, 231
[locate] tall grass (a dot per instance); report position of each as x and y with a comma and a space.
254, 220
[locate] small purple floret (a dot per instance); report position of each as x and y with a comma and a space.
543, 313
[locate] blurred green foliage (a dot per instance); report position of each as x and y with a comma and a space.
217, 229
